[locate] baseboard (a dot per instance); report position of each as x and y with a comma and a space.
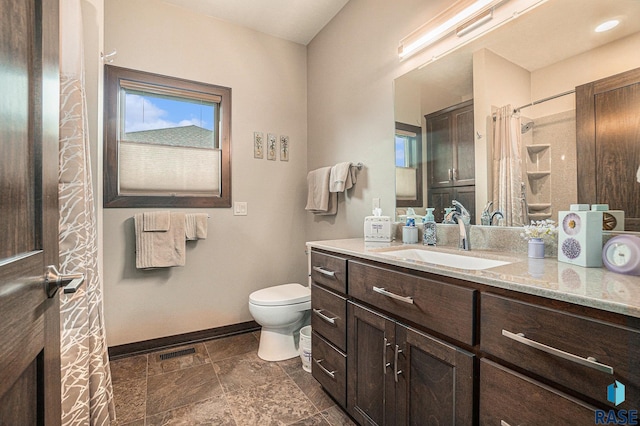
138, 348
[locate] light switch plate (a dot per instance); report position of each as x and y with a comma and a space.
239, 208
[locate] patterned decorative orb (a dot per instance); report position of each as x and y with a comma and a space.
571, 248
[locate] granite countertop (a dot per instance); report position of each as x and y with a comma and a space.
593, 287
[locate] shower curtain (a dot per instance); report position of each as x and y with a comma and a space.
87, 395
507, 166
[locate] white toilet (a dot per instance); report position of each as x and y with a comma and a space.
282, 311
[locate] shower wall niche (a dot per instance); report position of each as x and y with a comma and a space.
549, 154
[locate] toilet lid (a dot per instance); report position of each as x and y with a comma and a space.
285, 294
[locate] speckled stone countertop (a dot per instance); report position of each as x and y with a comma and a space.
593, 287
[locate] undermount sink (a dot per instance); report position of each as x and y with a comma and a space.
445, 259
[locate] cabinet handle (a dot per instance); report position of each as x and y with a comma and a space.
503, 423
450, 174
396, 372
330, 320
384, 292
385, 364
324, 271
454, 174
587, 362
331, 374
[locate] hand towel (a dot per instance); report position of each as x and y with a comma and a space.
160, 249
342, 177
318, 196
195, 227
156, 221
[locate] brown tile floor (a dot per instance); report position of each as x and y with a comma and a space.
222, 383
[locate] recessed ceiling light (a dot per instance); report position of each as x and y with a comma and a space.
606, 26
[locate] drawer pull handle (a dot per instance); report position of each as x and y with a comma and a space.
323, 271
385, 364
384, 292
396, 372
331, 374
587, 362
330, 320
503, 423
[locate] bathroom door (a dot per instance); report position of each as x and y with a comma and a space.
29, 319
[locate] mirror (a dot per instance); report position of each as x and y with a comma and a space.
544, 53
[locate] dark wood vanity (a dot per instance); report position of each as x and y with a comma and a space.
396, 346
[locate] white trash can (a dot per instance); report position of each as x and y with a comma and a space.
305, 348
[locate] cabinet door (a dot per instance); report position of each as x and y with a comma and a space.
439, 198
464, 169
467, 196
435, 385
440, 145
370, 389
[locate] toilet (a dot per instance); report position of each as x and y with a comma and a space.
282, 311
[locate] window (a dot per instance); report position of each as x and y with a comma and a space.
167, 141
408, 143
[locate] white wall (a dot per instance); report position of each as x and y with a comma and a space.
352, 63
268, 77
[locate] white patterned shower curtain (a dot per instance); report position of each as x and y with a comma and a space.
87, 395
507, 166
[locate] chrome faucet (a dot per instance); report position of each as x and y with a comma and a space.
494, 214
462, 217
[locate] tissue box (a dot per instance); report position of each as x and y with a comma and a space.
377, 228
580, 237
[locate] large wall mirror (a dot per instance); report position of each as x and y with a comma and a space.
533, 65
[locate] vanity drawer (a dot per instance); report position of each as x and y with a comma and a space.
444, 308
329, 367
329, 316
330, 271
508, 398
561, 347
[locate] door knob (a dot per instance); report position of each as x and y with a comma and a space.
53, 280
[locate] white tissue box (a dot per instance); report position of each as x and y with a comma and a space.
377, 228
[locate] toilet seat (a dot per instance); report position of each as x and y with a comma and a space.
281, 295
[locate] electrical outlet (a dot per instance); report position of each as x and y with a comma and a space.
376, 203
239, 208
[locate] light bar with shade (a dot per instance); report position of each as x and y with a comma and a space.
445, 23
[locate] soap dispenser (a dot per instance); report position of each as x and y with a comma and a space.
429, 228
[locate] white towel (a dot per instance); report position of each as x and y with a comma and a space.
319, 200
342, 177
160, 249
195, 227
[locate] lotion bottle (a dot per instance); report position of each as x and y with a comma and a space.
429, 228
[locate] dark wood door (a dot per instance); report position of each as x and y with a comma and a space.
29, 320
436, 383
440, 198
451, 146
370, 389
608, 144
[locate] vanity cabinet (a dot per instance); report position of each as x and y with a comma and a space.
409, 347
329, 323
399, 375
579, 353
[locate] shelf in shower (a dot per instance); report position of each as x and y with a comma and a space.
538, 207
537, 175
535, 149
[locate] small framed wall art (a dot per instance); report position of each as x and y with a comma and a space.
258, 145
271, 146
284, 148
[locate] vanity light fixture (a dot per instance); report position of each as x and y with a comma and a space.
458, 14
476, 22
606, 26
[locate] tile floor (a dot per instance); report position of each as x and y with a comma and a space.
222, 383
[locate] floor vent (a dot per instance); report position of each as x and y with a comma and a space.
176, 354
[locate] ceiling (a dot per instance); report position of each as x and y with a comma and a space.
294, 20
